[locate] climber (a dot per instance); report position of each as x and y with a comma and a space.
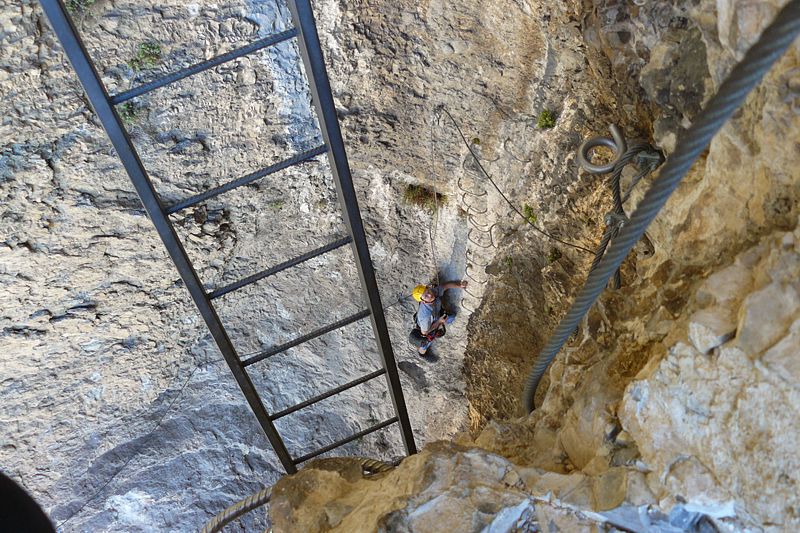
429, 319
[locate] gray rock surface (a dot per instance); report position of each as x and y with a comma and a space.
720, 429
709, 328
115, 409
99, 336
468, 489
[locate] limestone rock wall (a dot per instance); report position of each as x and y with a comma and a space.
112, 390
704, 439
116, 410
716, 418
464, 489
682, 382
115, 407
693, 440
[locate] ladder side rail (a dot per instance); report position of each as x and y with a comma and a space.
98, 96
311, 53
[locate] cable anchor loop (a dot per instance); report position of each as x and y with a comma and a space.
616, 143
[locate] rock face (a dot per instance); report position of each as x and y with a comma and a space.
691, 450
444, 486
683, 381
703, 421
116, 410
117, 407
448, 487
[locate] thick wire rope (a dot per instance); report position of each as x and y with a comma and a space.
773, 42
132, 455
650, 160
240, 508
489, 177
262, 497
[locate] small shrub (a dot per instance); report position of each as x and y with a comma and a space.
555, 255
476, 140
76, 7
147, 56
128, 113
509, 262
423, 197
529, 214
546, 120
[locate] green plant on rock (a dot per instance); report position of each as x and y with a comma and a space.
509, 262
546, 120
128, 113
530, 216
147, 56
554, 255
76, 7
423, 197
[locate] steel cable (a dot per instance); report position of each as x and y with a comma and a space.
651, 159
491, 180
774, 41
240, 508
262, 497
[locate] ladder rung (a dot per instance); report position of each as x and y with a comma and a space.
203, 65
342, 442
332, 392
280, 267
244, 180
300, 340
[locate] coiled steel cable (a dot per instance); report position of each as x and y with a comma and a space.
650, 160
774, 41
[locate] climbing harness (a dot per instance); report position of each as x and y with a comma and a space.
417, 338
772, 44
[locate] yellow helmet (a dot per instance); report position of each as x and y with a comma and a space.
418, 291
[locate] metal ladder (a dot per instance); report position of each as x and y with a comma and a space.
305, 32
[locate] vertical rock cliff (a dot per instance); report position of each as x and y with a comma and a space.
675, 401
